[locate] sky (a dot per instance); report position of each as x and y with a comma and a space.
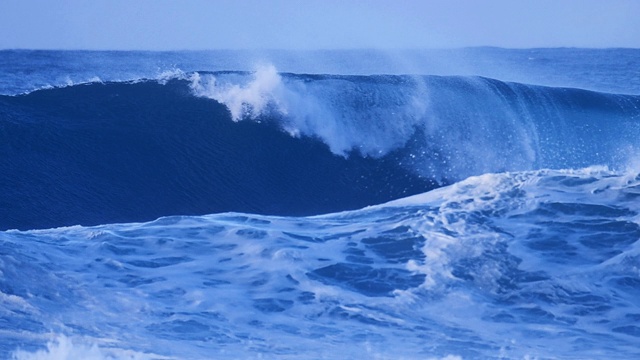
316, 24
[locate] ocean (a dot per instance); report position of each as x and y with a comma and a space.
479, 203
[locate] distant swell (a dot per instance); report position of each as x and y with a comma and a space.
122, 152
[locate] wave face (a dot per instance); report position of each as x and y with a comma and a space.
536, 264
285, 144
121, 152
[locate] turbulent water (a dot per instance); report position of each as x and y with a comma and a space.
459, 204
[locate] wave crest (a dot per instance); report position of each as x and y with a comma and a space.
365, 116
446, 128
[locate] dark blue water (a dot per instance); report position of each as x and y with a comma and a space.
458, 204
103, 153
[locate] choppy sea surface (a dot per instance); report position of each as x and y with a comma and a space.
477, 203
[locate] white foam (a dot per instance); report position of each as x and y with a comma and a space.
193, 286
370, 118
165, 76
63, 348
244, 100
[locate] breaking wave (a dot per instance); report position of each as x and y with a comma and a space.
285, 144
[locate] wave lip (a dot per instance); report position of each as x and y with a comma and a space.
371, 115
447, 128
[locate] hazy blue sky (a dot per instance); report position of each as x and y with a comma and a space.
315, 24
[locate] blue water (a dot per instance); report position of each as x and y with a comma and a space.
458, 204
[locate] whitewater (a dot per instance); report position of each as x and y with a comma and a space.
476, 203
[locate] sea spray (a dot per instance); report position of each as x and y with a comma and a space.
446, 128
372, 116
